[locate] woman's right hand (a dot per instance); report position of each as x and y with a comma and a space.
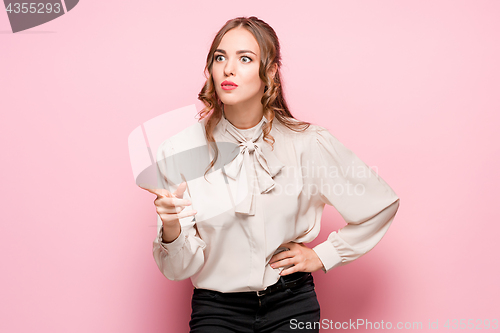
170, 208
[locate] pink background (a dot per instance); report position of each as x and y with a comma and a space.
412, 87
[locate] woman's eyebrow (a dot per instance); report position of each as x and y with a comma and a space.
237, 52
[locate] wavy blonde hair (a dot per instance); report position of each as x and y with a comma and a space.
273, 100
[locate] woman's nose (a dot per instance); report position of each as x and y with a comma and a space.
229, 68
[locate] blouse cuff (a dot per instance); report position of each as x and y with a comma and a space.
175, 246
328, 255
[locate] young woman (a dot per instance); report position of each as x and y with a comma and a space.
239, 230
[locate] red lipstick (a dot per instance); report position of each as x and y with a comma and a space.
228, 85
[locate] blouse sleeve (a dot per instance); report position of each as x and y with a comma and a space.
365, 201
183, 257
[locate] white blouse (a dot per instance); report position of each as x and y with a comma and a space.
256, 198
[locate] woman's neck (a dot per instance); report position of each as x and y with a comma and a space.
243, 117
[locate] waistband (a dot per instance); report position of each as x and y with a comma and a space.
284, 282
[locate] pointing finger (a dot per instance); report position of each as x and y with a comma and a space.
179, 192
158, 191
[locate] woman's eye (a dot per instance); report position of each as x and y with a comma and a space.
220, 57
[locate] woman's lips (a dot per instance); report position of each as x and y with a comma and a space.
228, 85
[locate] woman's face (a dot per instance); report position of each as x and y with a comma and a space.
237, 60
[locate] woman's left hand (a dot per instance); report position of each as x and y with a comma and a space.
300, 256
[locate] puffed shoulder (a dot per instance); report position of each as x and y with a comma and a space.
345, 181
330, 146
319, 143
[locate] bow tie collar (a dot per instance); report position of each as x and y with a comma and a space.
255, 164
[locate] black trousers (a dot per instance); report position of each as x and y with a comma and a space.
286, 310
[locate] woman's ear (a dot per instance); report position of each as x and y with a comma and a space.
272, 71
